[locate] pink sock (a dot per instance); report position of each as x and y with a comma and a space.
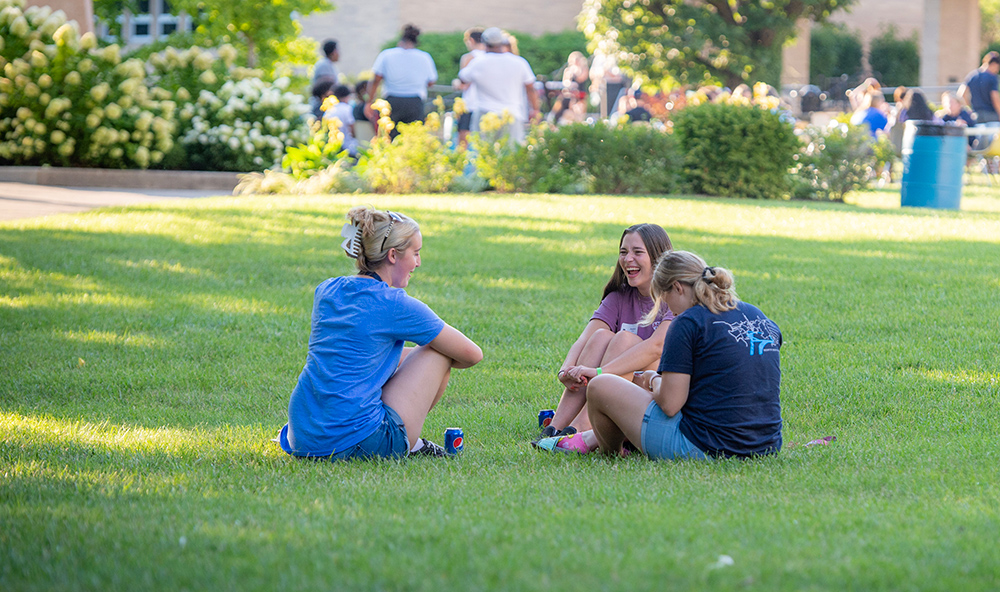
574, 443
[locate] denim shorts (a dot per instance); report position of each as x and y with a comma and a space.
662, 438
387, 441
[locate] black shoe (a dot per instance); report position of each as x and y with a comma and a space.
550, 431
430, 449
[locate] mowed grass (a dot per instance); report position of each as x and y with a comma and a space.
147, 355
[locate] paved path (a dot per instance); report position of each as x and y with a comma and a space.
22, 200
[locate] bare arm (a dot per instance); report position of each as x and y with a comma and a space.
453, 344
640, 355
532, 100
372, 96
965, 95
670, 391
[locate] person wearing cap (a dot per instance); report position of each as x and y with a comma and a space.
504, 82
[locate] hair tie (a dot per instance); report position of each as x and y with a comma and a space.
393, 217
704, 274
352, 242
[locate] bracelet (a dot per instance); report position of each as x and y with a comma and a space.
652, 379
598, 371
560, 373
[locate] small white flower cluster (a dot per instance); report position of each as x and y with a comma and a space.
249, 122
63, 101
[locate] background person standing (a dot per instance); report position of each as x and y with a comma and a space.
503, 82
407, 72
979, 90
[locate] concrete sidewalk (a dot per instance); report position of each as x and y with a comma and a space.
24, 200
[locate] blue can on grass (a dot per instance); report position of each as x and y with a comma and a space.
453, 440
545, 417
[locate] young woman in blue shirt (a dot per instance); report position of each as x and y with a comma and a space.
362, 394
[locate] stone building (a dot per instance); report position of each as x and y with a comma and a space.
948, 30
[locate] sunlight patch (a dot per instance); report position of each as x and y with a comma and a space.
109, 338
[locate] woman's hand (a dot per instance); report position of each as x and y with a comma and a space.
570, 382
582, 374
644, 379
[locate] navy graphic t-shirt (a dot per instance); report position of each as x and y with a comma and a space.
732, 407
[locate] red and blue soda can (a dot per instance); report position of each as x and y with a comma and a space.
453, 440
545, 417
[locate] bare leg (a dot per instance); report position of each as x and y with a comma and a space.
572, 402
620, 343
617, 407
416, 387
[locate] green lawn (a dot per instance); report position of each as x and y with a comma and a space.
147, 355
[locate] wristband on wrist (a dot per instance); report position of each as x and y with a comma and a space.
598, 371
560, 373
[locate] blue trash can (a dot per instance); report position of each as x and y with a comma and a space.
933, 165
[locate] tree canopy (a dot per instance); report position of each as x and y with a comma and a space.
264, 30
699, 41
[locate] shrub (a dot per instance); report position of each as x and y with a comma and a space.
64, 101
834, 161
735, 150
244, 126
895, 61
417, 161
833, 51
580, 158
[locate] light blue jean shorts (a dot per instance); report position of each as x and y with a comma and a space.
662, 438
387, 441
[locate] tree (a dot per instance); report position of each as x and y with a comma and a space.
895, 61
833, 51
990, 21
700, 41
264, 28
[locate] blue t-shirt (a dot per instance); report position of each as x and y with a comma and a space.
359, 325
732, 407
981, 84
876, 120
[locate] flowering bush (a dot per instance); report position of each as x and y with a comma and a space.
65, 101
245, 125
419, 160
834, 161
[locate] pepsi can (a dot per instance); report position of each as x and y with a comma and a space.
453, 440
545, 417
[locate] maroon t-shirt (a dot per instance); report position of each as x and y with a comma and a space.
622, 311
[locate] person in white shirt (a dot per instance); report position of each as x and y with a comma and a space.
503, 82
407, 73
344, 112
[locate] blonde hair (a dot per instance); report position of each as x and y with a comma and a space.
714, 287
381, 231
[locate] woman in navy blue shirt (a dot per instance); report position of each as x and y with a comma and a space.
715, 393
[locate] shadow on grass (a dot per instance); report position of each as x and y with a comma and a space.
200, 318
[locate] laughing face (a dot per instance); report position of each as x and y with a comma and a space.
406, 262
634, 261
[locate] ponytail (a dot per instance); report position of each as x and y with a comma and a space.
371, 234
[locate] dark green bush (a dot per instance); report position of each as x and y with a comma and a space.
833, 50
581, 158
896, 62
735, 150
